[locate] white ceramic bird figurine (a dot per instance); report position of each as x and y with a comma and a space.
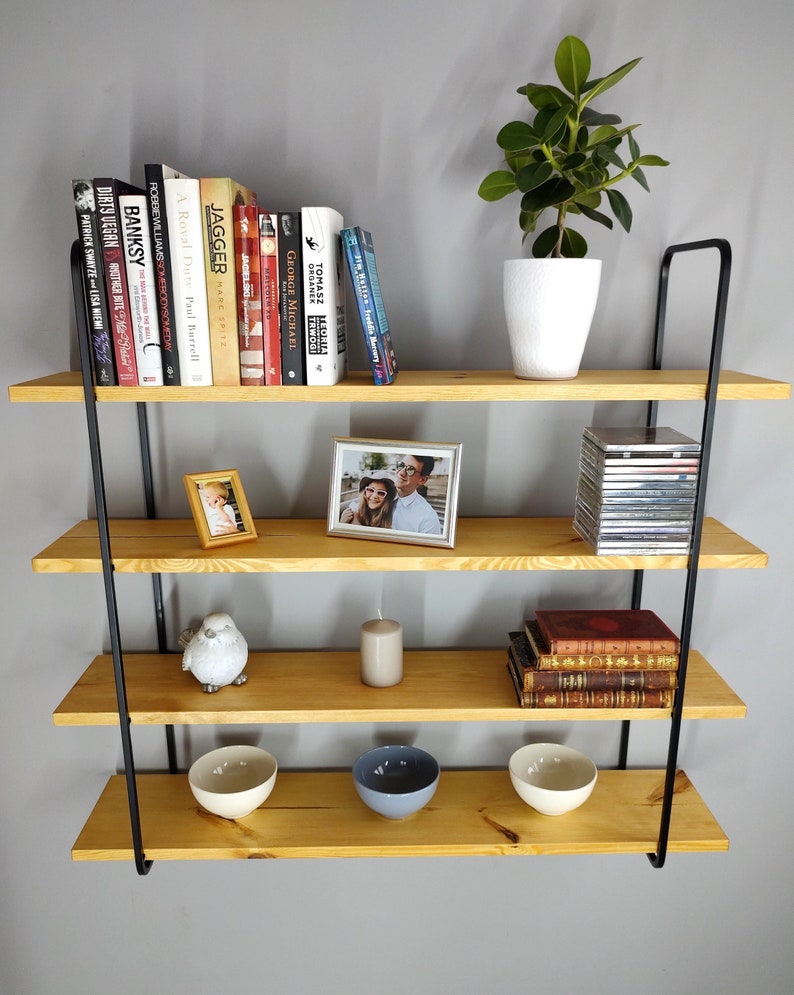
216, 653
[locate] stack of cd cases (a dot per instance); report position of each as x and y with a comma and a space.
636, 490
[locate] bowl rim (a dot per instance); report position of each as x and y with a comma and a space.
417, 751
226, 752
572, 754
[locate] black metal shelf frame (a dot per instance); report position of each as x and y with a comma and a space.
657, 859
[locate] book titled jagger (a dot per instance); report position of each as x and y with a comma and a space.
155, 174
324, 324
183, 216
290, 278
249, 295
218, 196
360, 256
141, 284
96, 299
106, 193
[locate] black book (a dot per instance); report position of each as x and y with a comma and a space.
290, 280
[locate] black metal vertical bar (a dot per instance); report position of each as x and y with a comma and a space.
157, 581
718, 332
80, 304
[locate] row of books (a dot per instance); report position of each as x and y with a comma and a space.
577, 658
192, 282
636, 490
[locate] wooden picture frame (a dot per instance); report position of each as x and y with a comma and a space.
395, 490
214, 520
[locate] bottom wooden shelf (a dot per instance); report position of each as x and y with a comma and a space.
474, 813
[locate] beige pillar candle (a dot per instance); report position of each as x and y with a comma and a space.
381, 652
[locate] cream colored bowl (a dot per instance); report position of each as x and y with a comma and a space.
553, 779
233, 780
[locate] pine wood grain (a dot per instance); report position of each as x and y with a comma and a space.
429, 385
439, 685
318, 814
302, 546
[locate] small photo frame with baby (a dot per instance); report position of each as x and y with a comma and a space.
395, 490
219, 507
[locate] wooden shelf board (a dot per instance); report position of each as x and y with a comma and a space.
439, 685
429, 385
473, 813
302, 546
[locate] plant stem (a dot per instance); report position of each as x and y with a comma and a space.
557, 252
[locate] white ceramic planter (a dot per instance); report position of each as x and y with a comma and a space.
549, 306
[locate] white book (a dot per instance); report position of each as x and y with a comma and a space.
183, 214
324, 323
139, 266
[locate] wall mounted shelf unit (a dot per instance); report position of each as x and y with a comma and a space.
144, 817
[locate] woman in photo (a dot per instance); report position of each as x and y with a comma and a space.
374, 506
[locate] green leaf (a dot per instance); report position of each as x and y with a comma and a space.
497, 185
573, 245
651, 160
516, 136
528, 220
639, 176
594, 87
591, 117
545, 242
620, 207
606, 152
542, 95
634, 149
601, 135
588, 212
533, 175
572, 62
574, 160
555, 191
555, 126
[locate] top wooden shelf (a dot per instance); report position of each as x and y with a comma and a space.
444, 385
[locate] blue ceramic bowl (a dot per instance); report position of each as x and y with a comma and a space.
396, 781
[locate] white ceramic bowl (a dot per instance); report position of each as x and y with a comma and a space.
233, 780
553, 779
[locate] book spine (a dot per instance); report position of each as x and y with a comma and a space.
249, 295
155, 174
598, 680
141, 285
599, 699
115, 272
218, 196
543, 660
96, 297
290, 272
183, 215
385, 348
364, 303
610, 647
268, 273
323, 296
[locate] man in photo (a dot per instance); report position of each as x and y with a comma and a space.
413, 513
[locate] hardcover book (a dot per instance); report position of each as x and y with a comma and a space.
290, 277
324, 325
155, 174
141, 285
183, 217
360, 256
106, 192
268, 271
96, 299
662, 698
218, 195
546, 660
595, 674
621, 630
249, 295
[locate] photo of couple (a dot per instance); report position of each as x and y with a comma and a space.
405, 494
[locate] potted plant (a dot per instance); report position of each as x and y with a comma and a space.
566, 159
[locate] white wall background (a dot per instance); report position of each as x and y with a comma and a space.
388, 111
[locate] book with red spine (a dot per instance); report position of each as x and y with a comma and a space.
268, 273
218, 196
94, 283
249, 295
141, 285
617, 630
155, 174
542, 658
106, 193
661, 698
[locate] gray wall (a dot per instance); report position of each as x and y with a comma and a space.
388, 112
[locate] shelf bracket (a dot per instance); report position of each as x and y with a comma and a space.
142, 865
657, 859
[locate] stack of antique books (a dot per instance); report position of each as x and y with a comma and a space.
581, 658
636, 490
